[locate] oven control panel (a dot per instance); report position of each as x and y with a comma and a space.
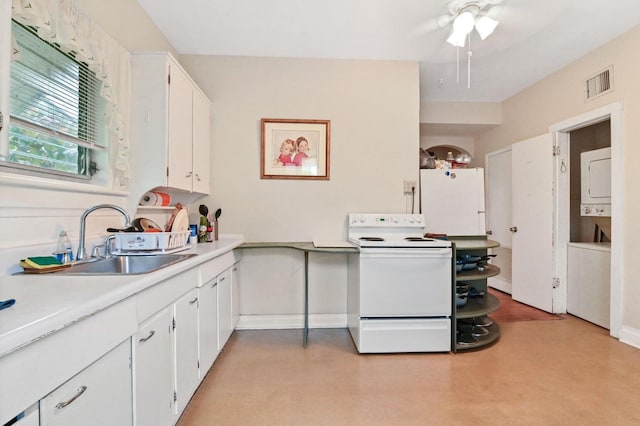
386, 220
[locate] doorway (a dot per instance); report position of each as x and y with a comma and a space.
563, 229
589, 247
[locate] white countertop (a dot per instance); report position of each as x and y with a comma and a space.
46, 303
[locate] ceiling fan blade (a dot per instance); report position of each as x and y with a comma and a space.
444, 20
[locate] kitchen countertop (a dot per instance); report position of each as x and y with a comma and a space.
46, 303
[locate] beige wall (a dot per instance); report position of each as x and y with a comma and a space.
374, 111
560, 97
128, 23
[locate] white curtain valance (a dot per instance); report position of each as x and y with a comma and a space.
60, 22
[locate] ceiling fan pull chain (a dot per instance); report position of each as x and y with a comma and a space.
469, 64
457, 65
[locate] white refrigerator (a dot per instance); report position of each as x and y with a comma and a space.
452, 201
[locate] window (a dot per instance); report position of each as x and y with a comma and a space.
57, 113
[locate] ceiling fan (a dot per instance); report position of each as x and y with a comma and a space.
467, 15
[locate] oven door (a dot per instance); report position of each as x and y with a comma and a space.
405, 282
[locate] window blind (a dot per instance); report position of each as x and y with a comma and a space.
53, 94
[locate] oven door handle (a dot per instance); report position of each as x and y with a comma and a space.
406, 252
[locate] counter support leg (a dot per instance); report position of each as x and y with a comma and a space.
306, 299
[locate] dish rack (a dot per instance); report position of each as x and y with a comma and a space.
151, 242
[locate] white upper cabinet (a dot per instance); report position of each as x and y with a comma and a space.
170, 131
201, 142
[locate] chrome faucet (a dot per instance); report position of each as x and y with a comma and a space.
81, 248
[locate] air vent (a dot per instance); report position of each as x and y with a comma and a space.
599, 84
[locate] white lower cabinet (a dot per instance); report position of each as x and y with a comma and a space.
208, 325
235, 294
225, 321
153, 371
98, 395
187, 376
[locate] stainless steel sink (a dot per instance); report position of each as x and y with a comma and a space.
125, 265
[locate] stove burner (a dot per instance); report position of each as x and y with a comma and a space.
371, 239
418, 239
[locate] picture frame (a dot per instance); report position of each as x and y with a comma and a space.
295, 149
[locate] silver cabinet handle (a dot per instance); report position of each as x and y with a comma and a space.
489, 232
80, 391
189, 174
191, 302
214, 284
513, 229
223, 278
198, 177
144, 339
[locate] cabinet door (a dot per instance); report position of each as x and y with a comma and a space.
235, 295
153, 371
201, 142
179, 152
98, 395
208, 325
225, 325
186, 348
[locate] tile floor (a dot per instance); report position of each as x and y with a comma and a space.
566, 372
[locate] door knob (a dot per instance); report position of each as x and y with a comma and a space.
513, 229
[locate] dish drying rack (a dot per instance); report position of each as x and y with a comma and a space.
144, 243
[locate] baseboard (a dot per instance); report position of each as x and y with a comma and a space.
274, 322
630, 336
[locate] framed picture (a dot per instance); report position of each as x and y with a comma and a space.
295, 149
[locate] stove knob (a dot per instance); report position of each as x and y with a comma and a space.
362, 219
419, 219
411, 220
394, 219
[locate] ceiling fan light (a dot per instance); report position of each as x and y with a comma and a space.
463, 23
457, 38
485, 26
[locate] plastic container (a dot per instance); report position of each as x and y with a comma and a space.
64, 251
151, 242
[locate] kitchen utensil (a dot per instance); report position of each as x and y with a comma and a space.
204, 210
478, 331
180, 222
215, 226
173, 217
127, 229
461, 300
142, 224
483, 321
7, 303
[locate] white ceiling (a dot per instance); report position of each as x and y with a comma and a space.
534, 38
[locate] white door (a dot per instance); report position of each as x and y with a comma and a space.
152, 371
208, 325
179, 154
225, 323
186, 348
532, 219
499, 202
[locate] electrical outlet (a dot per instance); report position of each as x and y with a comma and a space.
409, 186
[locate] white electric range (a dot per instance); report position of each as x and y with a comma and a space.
400, 288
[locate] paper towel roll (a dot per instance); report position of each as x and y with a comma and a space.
153, 198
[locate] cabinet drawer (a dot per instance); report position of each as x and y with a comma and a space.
164, 293
98, 395
399, 335
215, 267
